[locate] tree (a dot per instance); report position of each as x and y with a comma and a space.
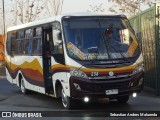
2, 37
2, 34
54, 7
96, 8
26, 11
130, 7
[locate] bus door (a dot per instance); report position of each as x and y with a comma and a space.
47, 45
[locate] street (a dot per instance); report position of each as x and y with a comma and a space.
11, 99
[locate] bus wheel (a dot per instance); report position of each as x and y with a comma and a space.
67, 102
123, 99
23, 89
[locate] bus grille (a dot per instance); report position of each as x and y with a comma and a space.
99, 87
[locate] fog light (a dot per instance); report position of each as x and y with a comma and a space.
86, 99
134, 95
140, 82
77, 86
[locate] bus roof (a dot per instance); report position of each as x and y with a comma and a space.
88, 14
51, 19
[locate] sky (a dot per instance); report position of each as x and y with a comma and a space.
69, 6
74, 5
83, 5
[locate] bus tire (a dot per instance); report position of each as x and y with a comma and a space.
123, 99
23, 88
68, 102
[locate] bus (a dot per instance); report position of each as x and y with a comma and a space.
76, 57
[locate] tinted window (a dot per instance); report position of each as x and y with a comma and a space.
8, 47
20, 34
12, 40
37, 47
37, 42
14, 47
28, 41
20, 46
25, 42
8, 43
38, 32
28, 33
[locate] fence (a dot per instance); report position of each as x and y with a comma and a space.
146, 26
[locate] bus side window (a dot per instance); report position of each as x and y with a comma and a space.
8, 44
8, 47
30, 46
14, 48
20, 37
13, 43
36, 50
57, 39
20, 47
37, 41
58, 49
28, 42
58, 46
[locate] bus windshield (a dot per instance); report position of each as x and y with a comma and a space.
99, 38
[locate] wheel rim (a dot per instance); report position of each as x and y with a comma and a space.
64, 99
22, 86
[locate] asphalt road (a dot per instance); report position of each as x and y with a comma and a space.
11, 99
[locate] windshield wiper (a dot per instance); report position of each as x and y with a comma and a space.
110, 31
101, 37
124, 58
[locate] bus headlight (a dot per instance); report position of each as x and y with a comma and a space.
138, 69
78, 73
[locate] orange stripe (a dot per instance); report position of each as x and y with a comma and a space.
34, 65
101, 71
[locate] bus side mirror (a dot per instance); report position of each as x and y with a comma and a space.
57, 37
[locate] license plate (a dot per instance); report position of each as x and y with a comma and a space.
111, 92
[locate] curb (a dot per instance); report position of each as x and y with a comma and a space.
2, 77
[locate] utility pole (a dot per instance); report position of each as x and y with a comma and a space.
16, 13
3, 36
22, 20
3, 18
61, 7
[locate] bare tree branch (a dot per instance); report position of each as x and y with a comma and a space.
26, 11
130, 7
54, 7
96, 8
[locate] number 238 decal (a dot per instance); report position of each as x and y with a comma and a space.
94, 74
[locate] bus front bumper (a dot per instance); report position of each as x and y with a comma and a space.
80, 88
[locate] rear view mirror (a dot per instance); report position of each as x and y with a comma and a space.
57, 37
